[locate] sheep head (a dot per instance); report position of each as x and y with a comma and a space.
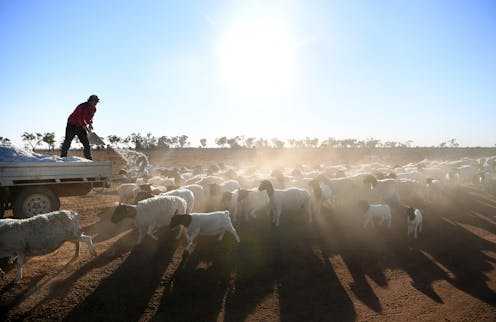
266, 185
142, 195
371, 180
177, 220
122, 211
410, 212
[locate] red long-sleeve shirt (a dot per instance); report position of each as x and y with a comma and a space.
82, 115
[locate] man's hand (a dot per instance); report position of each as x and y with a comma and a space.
90, 127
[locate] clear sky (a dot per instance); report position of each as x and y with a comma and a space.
393, 70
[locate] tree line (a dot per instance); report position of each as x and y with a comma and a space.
148, 141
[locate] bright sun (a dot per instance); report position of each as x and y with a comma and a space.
256, 60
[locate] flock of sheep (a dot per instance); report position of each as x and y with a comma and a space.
207, 201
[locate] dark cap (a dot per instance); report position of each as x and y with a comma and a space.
93, 98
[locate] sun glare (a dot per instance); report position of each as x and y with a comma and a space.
255, 60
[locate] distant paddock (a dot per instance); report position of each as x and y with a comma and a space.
286, 157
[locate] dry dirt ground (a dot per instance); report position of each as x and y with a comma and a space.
332, 270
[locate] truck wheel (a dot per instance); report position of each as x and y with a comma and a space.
34, 201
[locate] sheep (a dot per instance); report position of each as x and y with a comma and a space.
229, 201
250, 201
208, 224
215, 193
286, 200
321, 193
40, 235
371, 212
385, 188
199, 194
467, 173
151, 213
186, 194
414, 221
128, 191
434, 189
159, 181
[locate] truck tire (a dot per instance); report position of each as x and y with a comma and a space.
35, 200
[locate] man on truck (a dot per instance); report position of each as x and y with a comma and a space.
80, 123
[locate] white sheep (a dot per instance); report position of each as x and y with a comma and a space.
208, 224
200, 197
385, 189
151, 213
128, 191
40, 235
375, 211
414, 221
186, 194
290, 199
251, 201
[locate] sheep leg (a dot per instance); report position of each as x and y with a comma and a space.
140, 236
191, 239
366, 223
76, 253
308, 210
221, 235
234, 233
87, 240
181, 232
20, 261
150, 232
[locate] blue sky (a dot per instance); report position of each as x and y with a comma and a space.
393, 70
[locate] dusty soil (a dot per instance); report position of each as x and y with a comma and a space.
332, 270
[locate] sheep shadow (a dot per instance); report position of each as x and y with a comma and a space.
197, 290
128, 289
255, 277
308, 286
105, 229
7, 301
364, 251
291, 262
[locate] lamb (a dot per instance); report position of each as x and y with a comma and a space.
208, 224
414, 221
376, 211
40, 235
286, 200
151, 213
